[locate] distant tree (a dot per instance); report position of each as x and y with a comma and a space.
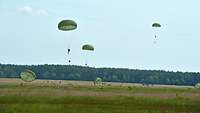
72, 72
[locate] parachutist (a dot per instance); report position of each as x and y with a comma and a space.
67, 25
87, 47
68, 51
156, 26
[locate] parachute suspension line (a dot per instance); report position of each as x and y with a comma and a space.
85, 58
155, 27
86, 62
155, 35
68, 54
155, 38
69, 49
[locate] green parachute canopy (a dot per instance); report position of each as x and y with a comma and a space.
98, 81
28, 75
156, 25
67, 25
197, 86
88, 47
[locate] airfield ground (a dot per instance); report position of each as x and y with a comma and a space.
55, 96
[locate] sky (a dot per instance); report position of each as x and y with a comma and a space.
120, 31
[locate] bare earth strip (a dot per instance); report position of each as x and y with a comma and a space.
82, 83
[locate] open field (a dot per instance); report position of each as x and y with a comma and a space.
51, 96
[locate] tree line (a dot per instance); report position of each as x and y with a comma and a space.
72, 72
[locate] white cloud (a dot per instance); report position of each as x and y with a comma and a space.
28, 10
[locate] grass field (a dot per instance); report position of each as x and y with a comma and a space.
49, 96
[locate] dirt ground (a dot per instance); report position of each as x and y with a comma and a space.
80, 83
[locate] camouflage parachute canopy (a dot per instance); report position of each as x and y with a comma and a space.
197, 86
67, 25
156, 25
88, 47
28, 75
98, 79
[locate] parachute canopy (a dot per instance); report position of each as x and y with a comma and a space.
156, 25
88, 47
197, 86
98, 79
67, 25
28, 75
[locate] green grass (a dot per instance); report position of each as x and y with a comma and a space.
82, 104
48, 99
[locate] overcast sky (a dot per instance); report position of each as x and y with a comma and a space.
120, 31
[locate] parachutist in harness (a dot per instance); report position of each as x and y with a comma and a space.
67, 25
68, 51
89, 48
156, 26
